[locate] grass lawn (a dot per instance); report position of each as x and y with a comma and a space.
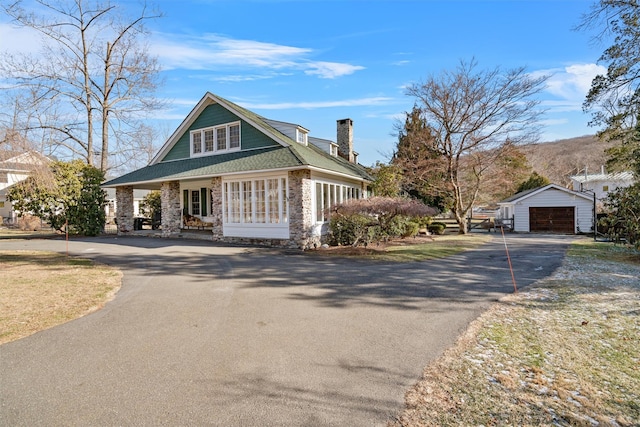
12, 233
39, 290
565, 351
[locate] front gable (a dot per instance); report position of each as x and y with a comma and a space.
212, 116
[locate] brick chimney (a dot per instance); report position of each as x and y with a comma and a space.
345, 140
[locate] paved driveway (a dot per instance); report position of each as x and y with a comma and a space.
202, 334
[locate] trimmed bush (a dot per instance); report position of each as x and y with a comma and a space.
437, 228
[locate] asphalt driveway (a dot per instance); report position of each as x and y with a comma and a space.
204, 334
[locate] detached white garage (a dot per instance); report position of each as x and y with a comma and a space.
549, 209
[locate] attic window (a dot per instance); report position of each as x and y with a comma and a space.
215, 139
301, 137
333, 150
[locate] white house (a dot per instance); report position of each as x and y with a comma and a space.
14, 168
601, 183
549, 209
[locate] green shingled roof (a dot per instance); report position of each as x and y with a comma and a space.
288, 155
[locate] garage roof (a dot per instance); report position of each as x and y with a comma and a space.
530, 193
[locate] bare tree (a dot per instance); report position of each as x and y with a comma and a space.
93, 78
475, 118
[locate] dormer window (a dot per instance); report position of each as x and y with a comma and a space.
333, 150
215, 140
301, 136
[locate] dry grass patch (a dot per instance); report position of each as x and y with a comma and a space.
39, 290
566, 351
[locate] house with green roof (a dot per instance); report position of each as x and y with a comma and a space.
246, 178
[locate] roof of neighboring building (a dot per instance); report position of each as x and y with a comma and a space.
532, 192
20, 161
288, 154
618, 176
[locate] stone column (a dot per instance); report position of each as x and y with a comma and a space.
124, 213
216, 208
171, 213
301, 210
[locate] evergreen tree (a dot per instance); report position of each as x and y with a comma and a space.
534, 181
70, 194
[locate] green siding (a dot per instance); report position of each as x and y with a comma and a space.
250, 138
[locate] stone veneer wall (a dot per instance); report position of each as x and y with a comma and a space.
301, 210
216, 208
171, 213
124, 209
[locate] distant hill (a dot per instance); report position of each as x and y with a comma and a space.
560, 159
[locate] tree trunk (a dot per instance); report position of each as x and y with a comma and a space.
104, 153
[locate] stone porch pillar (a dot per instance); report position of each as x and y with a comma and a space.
300, 210
216, 208
124, 209
171, 213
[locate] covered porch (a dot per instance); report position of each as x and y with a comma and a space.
175, 221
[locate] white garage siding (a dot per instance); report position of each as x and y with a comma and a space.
551, 196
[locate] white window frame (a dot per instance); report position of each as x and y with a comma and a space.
236, 211
204, 151
328, 194
301, 137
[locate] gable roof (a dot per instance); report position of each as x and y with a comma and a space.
287, 155
532, 192
618, 176
21, 161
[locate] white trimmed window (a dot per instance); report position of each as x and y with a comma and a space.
255, 201
215, 139
301, 137
329, 194
196, 201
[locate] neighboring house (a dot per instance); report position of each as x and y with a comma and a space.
601, 183
14, 168
549, 209
247, 178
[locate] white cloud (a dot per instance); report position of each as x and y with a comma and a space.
213, 51
331, 70
359, 102
15, 39
570, 85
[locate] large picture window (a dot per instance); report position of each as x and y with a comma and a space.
255, 201
217, 139
328, 194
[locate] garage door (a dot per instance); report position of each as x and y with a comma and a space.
552, 220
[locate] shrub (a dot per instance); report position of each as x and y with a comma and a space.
376, 219
437, 227
623, 219
348, 229
151, 204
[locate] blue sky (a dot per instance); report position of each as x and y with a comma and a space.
313, 62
